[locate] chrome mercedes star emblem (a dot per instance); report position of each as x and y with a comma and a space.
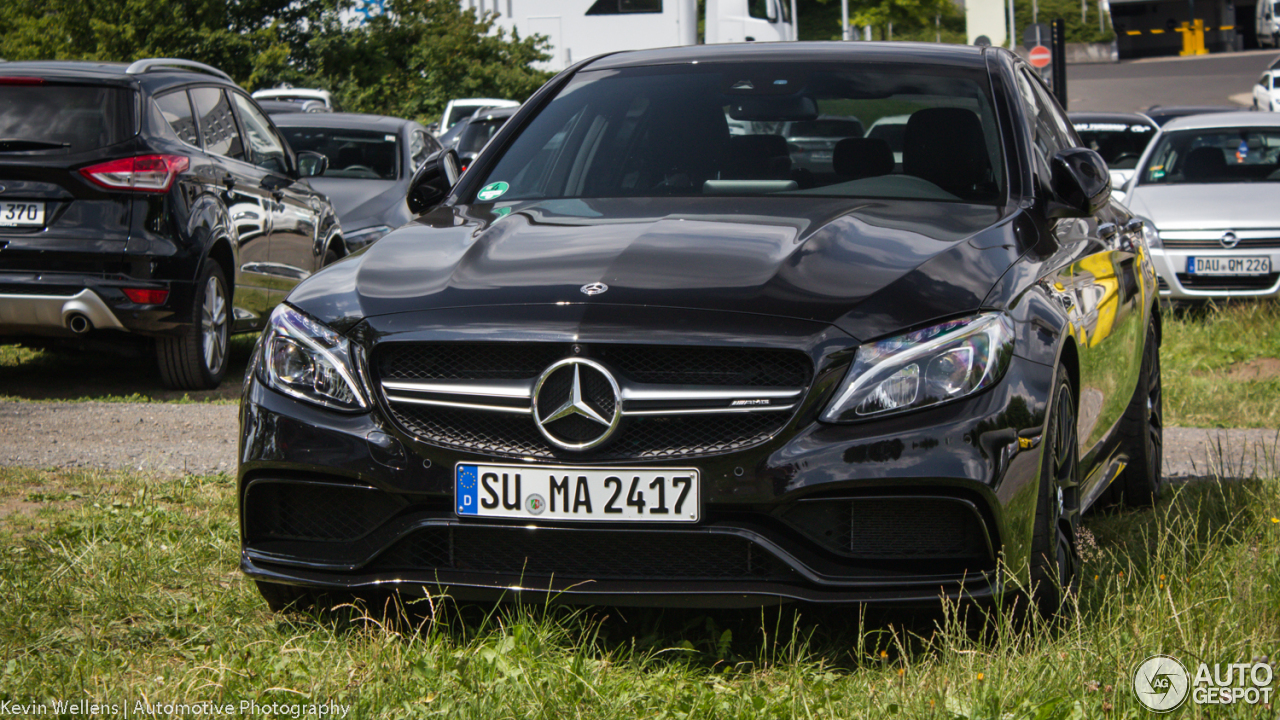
1229, 240
594, 288
577, 404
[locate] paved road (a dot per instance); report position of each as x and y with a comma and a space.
1138, 84
200, 438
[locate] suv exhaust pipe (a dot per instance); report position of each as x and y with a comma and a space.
78, 323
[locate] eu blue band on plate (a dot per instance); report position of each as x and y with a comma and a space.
467, 490
1191, 268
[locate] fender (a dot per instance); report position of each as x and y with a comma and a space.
327, 230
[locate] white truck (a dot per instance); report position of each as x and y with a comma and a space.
1268, 23
579, 29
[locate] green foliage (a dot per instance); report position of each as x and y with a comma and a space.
912, 19
1086, 31
408, 63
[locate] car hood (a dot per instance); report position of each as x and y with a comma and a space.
1210, 206
868, 266
362, 203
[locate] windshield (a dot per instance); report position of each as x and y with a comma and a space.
477, 134
368, 154
1237, 155
67, 118
1119, 143
755, 129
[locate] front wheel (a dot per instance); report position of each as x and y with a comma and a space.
1055, 563
1143, 431
197, 359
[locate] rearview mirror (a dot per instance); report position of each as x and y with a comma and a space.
433, 181
311, 164
1081, 183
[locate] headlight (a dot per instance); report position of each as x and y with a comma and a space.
927, 367
1150, 235
367, 236
305, 359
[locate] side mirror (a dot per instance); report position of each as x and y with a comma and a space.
1081, 183
433, 181
311, 164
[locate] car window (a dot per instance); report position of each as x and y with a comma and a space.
615, 7
365, 154
724, 129
1219, 155
176, 109
477, 134
1119, 143
268, 150
218, 131
420, 147
66, 118
1047, 137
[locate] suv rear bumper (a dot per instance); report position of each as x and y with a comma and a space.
74, 305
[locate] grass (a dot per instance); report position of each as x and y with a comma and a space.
120, 587
36, 374
1221, 366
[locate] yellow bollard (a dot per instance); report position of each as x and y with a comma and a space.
1193, 38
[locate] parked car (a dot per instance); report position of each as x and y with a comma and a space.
1209, 189
371, 161
1162, 114
1119, 138
282, 107
604, 366
1266, 92
477, 130
812, 143
891, 129
289, 93
462, 108
153, 201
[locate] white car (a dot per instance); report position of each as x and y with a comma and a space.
288, 92
1208, 189
1266, 92
464, 107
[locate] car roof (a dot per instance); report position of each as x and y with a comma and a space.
350, 121
272, 93
155, 78
928, 53
1241, 119
493, 113
1111, 117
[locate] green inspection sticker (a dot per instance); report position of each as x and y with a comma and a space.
492, 191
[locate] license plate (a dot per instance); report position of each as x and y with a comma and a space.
577, 493
1228, 265
21, 214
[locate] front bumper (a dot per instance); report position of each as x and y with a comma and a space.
977, 459
1177, 284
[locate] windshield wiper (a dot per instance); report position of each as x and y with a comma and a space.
18, 144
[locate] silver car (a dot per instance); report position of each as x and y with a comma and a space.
1208, 187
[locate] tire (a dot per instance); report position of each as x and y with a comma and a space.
197, 359
1055, 564
1142, 431
283, 597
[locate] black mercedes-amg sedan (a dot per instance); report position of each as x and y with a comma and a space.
632, 358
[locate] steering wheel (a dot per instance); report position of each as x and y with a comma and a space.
361, 169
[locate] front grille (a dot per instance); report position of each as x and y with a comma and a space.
641, 436
1215, 244
1212, 282
895, 528
649, 438
582, 554
309, 511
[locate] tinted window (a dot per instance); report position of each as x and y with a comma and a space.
825, 128
718, 129
268, 151
758, 9
614, 7
67, 118
1119, 143
1215, 156
176, 109
365, 154
477, 134
1047, 134
217, 123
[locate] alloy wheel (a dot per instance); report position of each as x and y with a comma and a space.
213, 323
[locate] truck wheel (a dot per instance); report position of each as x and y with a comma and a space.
197, 359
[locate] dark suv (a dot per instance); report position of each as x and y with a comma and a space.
149, 201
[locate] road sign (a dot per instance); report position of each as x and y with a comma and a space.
1037, 34
1040, 56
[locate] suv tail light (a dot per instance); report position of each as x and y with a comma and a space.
146, 296
145, 173
21, 81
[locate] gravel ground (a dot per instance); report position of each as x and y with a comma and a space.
201, 438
